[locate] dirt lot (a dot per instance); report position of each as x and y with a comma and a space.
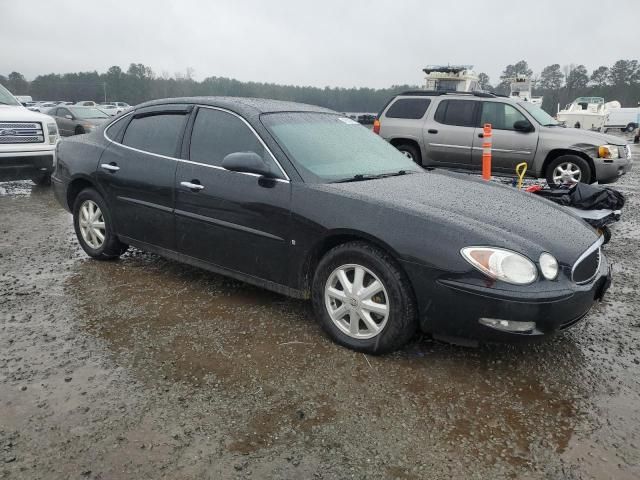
145, 368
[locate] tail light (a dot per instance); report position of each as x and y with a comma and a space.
376, 126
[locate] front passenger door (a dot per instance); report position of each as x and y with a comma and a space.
238, 221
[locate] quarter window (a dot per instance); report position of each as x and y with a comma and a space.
158, 134
501, 116
410, 108
456, 112
216, 134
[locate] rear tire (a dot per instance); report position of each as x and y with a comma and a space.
42, 180
78, 131
375, 311
410, 151
569, 164
93, 224
630, 128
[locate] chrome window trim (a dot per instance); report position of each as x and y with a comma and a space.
587, 252
283, 180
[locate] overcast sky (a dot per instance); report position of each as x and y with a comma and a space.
322, 42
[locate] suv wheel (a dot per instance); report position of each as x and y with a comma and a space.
410, 151
362, 299
94, 228
568, 169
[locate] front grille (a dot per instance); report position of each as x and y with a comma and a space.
586, 268
21, 132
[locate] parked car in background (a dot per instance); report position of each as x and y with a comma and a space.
306, 202
27, 142
74, 120
444, 129
111, 108
86, 103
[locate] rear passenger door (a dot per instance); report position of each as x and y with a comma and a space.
449, 137
137, 172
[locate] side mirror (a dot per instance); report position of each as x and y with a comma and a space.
248, 162
522, 126
68, 117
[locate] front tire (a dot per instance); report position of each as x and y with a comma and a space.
42, 180
94, 227
410, 151
363, 300
568, 169
630, 128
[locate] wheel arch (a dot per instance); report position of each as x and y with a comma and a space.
77, 185
332, 240
558, 152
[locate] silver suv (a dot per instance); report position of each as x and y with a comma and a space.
444, 129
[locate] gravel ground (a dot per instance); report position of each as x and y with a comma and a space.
145, 368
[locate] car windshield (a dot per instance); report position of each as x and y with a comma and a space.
542, 117
330, 148
6, 98
88, 113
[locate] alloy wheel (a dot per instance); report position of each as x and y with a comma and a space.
567, 172
356, 301
92, 226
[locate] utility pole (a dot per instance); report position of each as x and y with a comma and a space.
104, 89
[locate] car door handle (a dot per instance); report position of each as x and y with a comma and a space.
431, 130
192, 186
110, 166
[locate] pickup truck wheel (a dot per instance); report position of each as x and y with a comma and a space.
42, 180
363, 300
410, 151
94, 227
568, 169
630, 128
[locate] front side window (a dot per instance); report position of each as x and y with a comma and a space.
460, 113
158, 134
540, 116
328, 148
410, 108
88, 113
216, 134
62, 112
501, 116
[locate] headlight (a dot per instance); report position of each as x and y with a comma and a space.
608, 151
548, 266
52, 128
501, 264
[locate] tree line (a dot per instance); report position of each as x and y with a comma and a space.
563, 84
557, 84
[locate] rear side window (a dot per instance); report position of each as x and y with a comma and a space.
456, 112
158, 134
216, 134
411, 108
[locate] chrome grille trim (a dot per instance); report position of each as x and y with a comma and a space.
21, 132
587, 252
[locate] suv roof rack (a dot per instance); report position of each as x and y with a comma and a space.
437, 93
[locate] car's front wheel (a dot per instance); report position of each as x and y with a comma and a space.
363, 300
568, 169
410, 151
94, 228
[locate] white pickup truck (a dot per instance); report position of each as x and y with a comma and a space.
27, 142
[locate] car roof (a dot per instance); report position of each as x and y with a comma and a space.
244, 106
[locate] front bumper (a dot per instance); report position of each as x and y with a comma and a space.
453, 308
23, 165
608, 171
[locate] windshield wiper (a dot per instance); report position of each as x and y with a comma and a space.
362, 176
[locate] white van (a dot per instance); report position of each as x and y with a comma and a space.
626, 119
27, 142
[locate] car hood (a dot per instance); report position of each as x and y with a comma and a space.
577, 135
476, 212
9, 113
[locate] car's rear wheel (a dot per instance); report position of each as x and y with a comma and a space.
410, 151
568, 169
363, 300
94, 228
42, 179
79, 130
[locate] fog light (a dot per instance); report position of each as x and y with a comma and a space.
508, 325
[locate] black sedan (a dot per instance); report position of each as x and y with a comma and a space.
304, 201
